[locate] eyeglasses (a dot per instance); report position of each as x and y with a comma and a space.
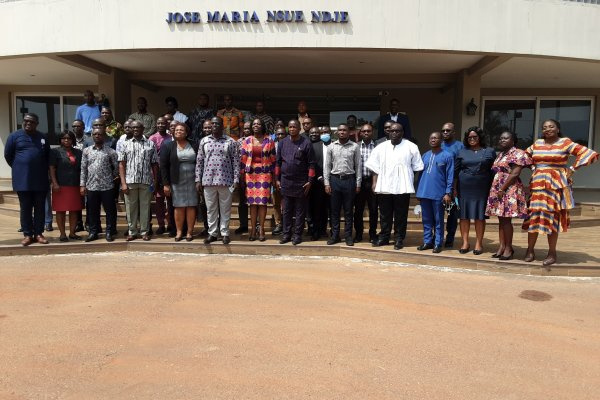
472, 137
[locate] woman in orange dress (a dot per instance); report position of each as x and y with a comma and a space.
257, 169
551, 194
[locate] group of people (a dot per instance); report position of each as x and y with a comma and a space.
195, 164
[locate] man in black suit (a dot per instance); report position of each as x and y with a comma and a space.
318, 200
395, 116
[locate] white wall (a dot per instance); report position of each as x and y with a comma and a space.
538, 27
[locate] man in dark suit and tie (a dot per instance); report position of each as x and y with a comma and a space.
396, 116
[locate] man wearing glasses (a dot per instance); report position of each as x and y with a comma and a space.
453, 147
27, 152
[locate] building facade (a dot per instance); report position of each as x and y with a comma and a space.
518, 61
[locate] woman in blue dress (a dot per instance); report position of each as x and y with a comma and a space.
473, 178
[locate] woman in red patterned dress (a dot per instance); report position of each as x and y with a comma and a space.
258, 167
507, 195
551, 194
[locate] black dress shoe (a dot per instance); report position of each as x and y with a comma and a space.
79, 227
160, 230
48, 228
210, 239
349, 242
477, 252
285, 240
109, 237
437, 249
241, 229
278, 230
425, 247
333, 241
449, 245
226, 240
380, 243
296, 241
398, 245
464, 251
358, 238
91, 237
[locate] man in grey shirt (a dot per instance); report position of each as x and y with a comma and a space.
342, 175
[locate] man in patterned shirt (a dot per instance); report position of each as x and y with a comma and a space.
218, 172
366, 195
149, 120
201, 113
233, 119
138, 168
266, 119
113, 129
98, 171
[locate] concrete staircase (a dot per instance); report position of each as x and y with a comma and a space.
583, 215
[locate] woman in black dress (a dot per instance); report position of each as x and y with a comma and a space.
473, 178
65, 166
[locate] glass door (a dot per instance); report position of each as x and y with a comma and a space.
515, 115
47, 109
574, 116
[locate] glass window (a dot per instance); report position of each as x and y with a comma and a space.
48, 110
70, 104
510, 115
573, 115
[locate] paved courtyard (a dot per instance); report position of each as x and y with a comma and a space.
177, 326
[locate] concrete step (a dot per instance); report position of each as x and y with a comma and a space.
590, 209
584, 215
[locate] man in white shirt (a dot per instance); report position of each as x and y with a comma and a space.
393, 163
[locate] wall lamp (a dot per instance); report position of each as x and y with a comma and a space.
471, 107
